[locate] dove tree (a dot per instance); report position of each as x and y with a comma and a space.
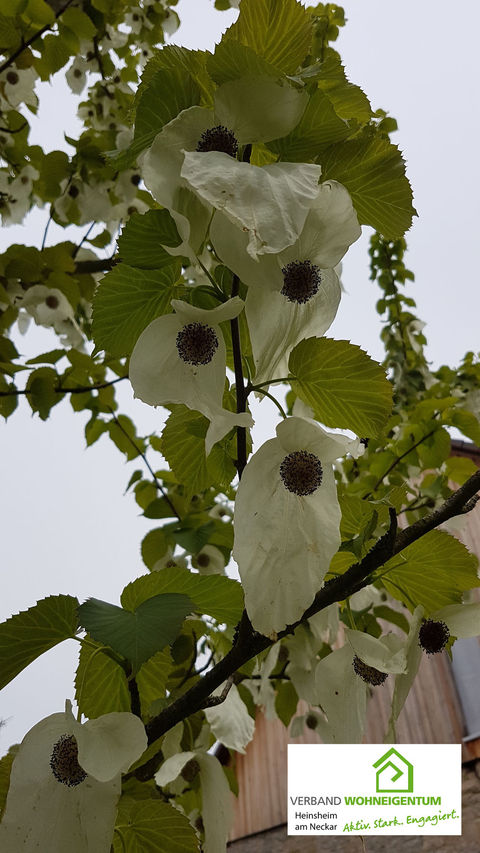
227, 185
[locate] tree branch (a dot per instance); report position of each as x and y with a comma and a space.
33, 38
59, 389
100, 265
249, 643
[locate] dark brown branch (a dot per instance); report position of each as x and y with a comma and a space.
249, 643
33, 38
240, 389
100, 265
459, 503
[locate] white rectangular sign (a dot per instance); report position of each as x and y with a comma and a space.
374, 789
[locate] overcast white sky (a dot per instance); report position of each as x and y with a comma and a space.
66, 527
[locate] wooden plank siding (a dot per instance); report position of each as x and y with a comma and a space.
432, 714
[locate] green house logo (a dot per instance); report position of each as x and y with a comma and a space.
394, 773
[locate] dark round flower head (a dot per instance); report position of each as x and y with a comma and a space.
433, 636
301, 472
311, 721
368, 673
52, 302
12, 78
203, 561
73, 191
196, 343
301, 280
64, 762
218, 138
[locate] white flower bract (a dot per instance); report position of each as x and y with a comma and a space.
284, 541
159, 375
44, 813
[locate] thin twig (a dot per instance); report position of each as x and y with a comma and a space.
89, 267
147, 463
17, 129
212, 701
47, 226
60, 389
399, 459
77, 248
33, 38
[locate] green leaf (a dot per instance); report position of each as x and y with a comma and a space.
143, 237
373, 171
342, 384
459, 469
53, 169
79, 23
382, 611
39, 12
152, 678
466, 422
435, 449
27, 635
9, 402
183, 446
218, 596
433, 571
168, 92
42, 395
136, 634
123, 434
286, 702
232, 60
348, 100
150, 826
154, 546
280, 31
47, 357
192, 539
55, 54
319, 127
127, 300
100, 683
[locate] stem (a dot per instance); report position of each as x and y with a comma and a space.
82, 389
147, 463
240, 388
274, 400
399, 459
284, 379
85, 237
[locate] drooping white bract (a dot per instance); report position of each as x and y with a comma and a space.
268, 203
342, 693
217, 801
230, 721
251, 109
166, 365
66, 781
294, 294
287, 521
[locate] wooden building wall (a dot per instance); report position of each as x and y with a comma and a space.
432, 714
